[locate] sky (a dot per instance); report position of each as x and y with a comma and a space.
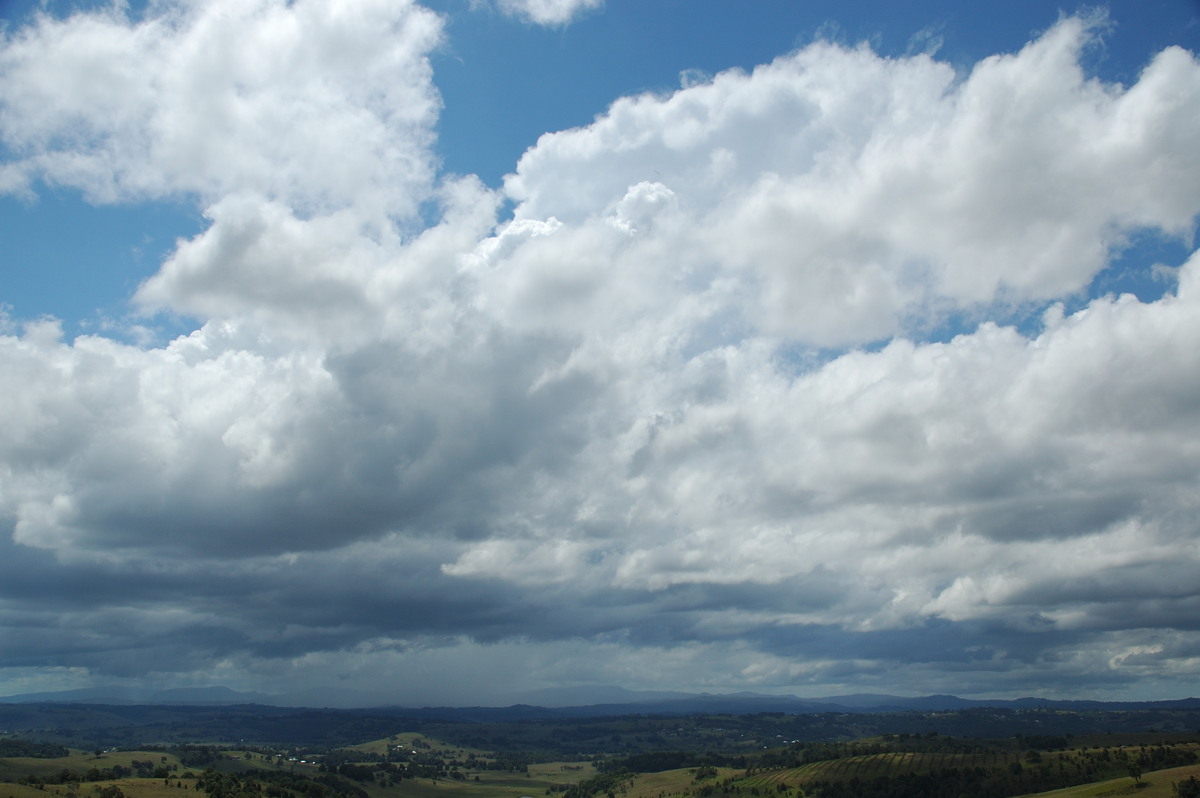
457, 350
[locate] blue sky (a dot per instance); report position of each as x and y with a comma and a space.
801, 347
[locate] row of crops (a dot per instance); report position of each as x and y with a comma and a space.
897, 763
984, 771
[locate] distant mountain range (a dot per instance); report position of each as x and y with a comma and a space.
576, 702
202, 696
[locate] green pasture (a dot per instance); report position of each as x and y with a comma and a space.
563, 772
676, 782
491, 783
16, 768
132, 788
421, 743
20, 791
896, 764
869, 766
1003, 757
1154, 785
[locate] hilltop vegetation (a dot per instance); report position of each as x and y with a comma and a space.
28, 748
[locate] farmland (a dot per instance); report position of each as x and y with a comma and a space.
699, 756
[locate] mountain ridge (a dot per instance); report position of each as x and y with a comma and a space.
577, 702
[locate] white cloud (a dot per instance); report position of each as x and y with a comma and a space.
603, 427
548, 12
862, 194
318, 105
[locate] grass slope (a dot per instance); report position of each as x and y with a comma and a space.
1154, 785
20, 791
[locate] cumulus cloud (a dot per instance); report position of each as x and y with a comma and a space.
862, 192
324, 106
548, 12
630, 433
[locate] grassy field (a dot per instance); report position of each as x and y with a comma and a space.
491, 783
1060, 764
501, 785
870, 766
477, 783
674, 782
137, 788
15, 768
557, 775
469, 779
418, 742
1154, 785
20, 791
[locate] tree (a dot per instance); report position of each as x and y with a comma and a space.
1136, 768
1188, 788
